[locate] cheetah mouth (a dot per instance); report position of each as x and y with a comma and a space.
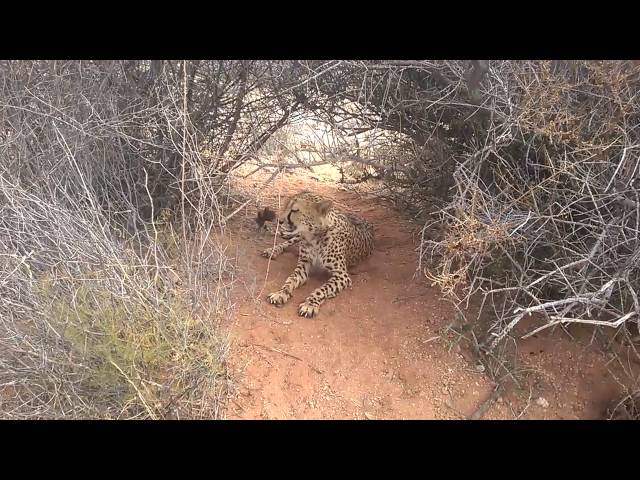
286, 232
287, 235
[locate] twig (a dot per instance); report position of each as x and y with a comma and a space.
565, 320
135, 387
484, 406
272, 349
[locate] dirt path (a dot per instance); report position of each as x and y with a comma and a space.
376, 350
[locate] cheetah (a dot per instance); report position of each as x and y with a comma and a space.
327, 238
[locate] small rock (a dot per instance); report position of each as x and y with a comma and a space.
541, 401
479, 368
499, 400
369, 416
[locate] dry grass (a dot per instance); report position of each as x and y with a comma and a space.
114, 188
544, 216
113, 288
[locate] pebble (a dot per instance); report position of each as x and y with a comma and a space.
541, 401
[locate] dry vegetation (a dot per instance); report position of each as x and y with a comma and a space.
532, 168
114, 180
112, 287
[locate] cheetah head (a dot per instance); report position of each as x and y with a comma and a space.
305, 214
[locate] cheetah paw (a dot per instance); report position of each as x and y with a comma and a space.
270, 252
308, 309
278, 298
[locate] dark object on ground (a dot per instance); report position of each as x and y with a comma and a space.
265, 215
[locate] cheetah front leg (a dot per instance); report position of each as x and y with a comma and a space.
296, 279
339, 280
278, 249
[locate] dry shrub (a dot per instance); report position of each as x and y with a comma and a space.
558, 175
91, 330
125, 356
467, 241
112, 286
628, 408
113, 189
526, 174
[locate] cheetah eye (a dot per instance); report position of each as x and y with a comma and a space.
293, 211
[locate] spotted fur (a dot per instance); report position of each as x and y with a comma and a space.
327, 238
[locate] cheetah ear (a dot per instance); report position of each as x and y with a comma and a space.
324, 206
